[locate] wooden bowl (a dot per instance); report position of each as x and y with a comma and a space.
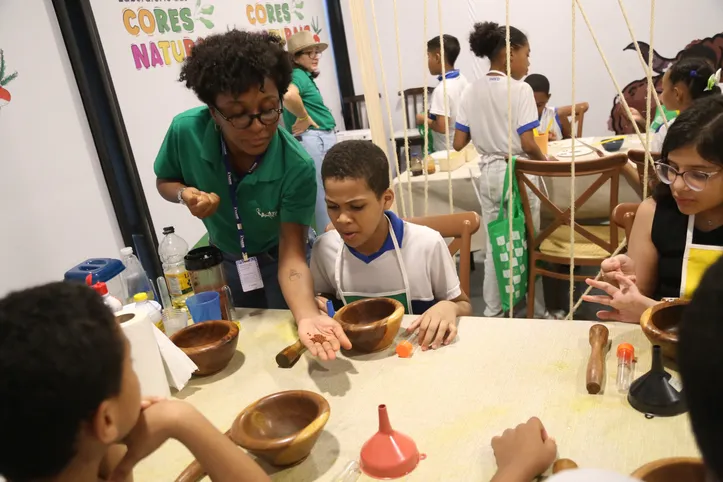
282, 428
210, 344
371, 324
676, 469
660, 325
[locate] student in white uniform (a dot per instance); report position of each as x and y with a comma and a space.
456, 83
686, 80
372, 253
547, 114
483, 119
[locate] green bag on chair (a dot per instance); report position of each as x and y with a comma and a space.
499, 235
430, 139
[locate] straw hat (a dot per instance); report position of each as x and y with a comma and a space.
303, 40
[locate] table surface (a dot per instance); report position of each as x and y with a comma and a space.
367, 133
498, 373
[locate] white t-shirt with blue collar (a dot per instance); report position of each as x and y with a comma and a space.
456, 83
551, 118
430, 268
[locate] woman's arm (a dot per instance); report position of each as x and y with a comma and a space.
642, 250
530, 147
200, 204
293, 102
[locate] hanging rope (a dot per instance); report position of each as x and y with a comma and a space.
426, 113
573, 199
446, 106
404, 109
389, 108
510, 246
651, 90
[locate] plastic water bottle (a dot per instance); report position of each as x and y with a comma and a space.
148, 307
172, 250
134, 276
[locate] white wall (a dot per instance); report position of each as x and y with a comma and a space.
55, 210
548, 26
149, 98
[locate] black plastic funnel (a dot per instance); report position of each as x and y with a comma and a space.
652, 393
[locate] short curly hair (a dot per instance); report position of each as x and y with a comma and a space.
235, 61
357, 160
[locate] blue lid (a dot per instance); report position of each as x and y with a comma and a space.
102, 269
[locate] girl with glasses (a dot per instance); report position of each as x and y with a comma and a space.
251, 183
678, 233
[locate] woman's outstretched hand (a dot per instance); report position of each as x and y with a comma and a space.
323, 336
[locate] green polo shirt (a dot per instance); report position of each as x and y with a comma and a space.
281, 190
313, 102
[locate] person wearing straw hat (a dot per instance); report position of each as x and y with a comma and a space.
305, 114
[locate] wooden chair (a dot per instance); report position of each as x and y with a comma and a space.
593, 243
637, 156
460, 227
357, 106
415, 99
624, 216
565, 114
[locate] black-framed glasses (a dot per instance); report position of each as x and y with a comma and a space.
244, 121
313, 54
695, 180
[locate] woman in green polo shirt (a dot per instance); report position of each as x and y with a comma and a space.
251, 183
306, 116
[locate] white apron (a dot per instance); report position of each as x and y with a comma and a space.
697, 258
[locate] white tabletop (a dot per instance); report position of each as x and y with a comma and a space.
366, 134
451, 401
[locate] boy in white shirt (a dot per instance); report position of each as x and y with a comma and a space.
456, 83
548, 115
483, 119
372, 253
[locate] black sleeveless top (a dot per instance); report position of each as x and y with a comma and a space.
668, 236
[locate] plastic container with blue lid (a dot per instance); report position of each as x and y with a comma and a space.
107, 270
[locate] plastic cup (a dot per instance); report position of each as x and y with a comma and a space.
174, 320
204, 306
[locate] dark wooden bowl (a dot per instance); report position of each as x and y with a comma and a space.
210, 344
282, 428
677, 469
660, 325
371, 324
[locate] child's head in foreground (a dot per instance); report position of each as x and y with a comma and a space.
701, 366
67, 387
488, 39
434, 53
356, 180
541, 88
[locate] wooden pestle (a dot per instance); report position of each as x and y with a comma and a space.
599, 335
194, 472
288, 357
563, 464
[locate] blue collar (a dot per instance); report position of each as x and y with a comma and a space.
397, 227
452, 74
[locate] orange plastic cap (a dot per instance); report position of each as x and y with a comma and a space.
626, 350
405, 349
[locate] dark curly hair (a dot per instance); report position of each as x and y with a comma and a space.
451, 47
694, 74
487, 39
235, 61
61, 356
700, 126
357, 160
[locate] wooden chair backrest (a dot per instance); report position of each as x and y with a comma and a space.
624, 216
580, 110
607, 168
357, 106
638, 157
460, 227
415, 103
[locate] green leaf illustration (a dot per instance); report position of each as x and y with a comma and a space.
2, 63
209, 24
207, 9
299, 4
7, 79
299, 15
198, 4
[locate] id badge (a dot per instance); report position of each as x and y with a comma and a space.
250, 274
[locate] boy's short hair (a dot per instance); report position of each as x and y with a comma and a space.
701, 366
451, 47
61, 356
357, 160
539, 83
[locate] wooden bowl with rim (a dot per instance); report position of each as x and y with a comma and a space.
675, 469
210, 344
660, 325
371, 324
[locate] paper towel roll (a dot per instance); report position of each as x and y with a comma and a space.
145, 355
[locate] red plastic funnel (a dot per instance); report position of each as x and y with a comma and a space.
388, 454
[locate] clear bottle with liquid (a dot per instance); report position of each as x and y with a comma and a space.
134, 276
172, 251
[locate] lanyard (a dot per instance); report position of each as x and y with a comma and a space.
232, 186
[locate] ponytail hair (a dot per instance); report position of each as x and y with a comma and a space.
694, 73
487, 39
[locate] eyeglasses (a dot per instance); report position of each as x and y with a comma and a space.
313, 54
695, 180
244, 121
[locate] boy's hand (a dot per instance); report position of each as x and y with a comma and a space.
421, 119
439, 320
524, 452
323, 327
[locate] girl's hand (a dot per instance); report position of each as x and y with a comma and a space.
524, 452
434, 324
618, 265
627, 302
